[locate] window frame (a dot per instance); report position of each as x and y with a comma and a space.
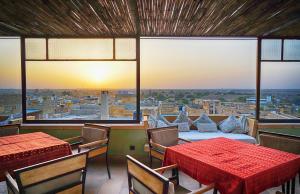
23, 77
258, 75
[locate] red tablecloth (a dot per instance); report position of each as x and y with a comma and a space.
18, 151
235, 167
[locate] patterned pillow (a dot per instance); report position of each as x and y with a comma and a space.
230, 124
183, 118
152, 122
244, 126
183, 126
160, 123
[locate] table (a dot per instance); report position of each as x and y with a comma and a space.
235, 167
18, 151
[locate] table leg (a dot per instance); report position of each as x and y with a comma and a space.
283, 188
293, 185
215, 191
288, 187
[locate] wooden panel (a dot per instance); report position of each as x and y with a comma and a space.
51, 170
74, 190
157, 155
279, 125
154, 183
97, 152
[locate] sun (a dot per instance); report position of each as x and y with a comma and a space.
97, 74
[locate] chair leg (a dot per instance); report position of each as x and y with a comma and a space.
150, 157
107, 165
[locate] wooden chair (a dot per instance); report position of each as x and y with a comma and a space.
7, 130
144, 180
161, 138
94, 139
63, 175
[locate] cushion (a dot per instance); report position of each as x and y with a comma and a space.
230, 124
183, 126
91, 134
152, 122
140, 188
205, 124
194, 135
207, 127
160, 123
182, 118
166, 137
244, 126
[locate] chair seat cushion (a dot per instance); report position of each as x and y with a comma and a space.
194, 135
165, 137
140, 188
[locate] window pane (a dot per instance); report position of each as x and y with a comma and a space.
280, 90
212, 76
81, 90
35, 48
125, 48
292, 49
270, 49
10, 81
80, 48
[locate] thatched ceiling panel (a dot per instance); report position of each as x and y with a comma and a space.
150, 17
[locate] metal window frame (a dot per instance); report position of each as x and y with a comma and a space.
258, 76
23, 78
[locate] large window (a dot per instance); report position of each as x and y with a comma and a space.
211, 75
280, 80
10, 80
74, 80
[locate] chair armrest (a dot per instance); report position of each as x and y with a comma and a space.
158, 146
203, 190
77, 138
162, 169
11, 183
94, 143
185, 140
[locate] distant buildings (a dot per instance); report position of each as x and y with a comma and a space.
212, 106
252, 100
104, 105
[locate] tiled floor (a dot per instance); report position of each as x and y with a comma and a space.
98, 183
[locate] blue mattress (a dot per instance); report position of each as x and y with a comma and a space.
194, 135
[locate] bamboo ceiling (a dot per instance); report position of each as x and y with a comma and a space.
149, 17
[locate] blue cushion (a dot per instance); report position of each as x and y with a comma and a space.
194, 135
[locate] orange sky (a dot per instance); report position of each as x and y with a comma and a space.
172, 64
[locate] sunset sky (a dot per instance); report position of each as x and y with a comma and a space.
165, 64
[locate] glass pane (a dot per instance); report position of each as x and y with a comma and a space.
80, 48
291, 50
271, 49
125, 48
81, 90
35, 48
214, 76
10, 81
280, 90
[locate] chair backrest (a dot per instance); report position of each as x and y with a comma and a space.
280, 142
62, 175
94, 132
7, 130
142, 179
166, 136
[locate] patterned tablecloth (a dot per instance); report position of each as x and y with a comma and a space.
235, 167
18, 151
